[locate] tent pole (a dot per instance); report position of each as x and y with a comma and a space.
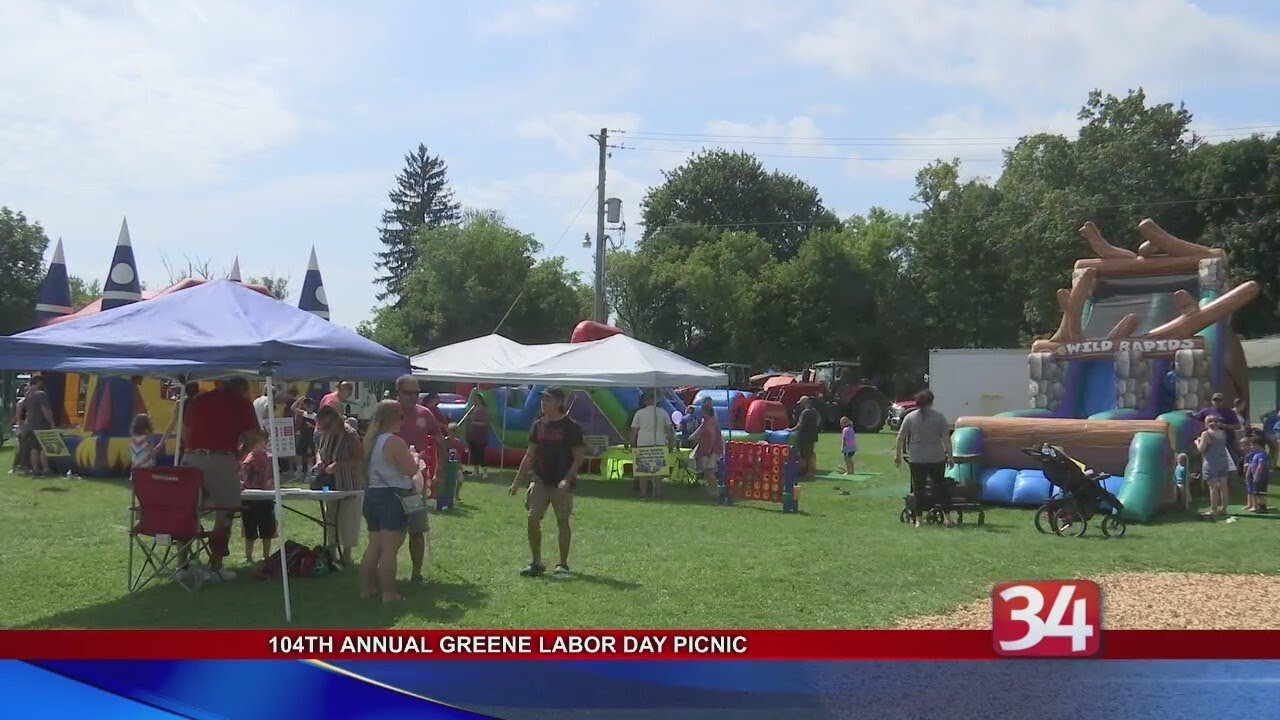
279, 509
177, 445
502, 441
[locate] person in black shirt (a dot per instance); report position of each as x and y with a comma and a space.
806, 431
555, 455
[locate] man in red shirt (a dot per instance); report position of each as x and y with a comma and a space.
420, 429
342, 395
217, 424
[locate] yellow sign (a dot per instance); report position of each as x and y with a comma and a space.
52, 443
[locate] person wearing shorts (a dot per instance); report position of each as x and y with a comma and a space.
394, 474
555, 455
926, 440
257, 517
477, 433
217, 424
710, 446
421, 430
651, 429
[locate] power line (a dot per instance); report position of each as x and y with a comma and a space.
684, 151
879, 142
560, 239
654, 134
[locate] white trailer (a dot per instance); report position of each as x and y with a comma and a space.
978, 382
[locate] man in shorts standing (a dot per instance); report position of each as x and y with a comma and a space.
217, 424
422, 432
651, 430
555, 455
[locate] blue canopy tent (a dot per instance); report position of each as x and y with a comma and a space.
216, 329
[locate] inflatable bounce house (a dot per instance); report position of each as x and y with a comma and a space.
605, 413
1144, 341
94, 413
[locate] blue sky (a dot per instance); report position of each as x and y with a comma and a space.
256, 130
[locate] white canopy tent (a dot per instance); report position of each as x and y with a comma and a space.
617, 361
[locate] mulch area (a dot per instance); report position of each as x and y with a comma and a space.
1156, 601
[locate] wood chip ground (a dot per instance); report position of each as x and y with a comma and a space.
1157, 601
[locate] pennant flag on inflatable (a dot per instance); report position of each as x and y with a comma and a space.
313, 298
54, 298
122, 286
235, 271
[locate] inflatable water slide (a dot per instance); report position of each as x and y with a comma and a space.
1143, 343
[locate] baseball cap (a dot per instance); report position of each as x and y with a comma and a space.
1217, 397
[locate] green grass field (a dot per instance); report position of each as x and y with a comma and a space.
844, 562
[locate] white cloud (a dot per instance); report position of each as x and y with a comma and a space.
521, 18
1019, 48
569, 130
147, 94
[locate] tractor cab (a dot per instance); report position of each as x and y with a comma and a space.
739, 374
835, 376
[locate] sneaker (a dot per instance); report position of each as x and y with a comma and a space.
533, 570
561, 571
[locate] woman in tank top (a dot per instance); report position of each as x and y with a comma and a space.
1216, 465
393, 473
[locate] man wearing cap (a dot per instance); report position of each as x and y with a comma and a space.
807, 428
554, 458
1228, 420
651, 428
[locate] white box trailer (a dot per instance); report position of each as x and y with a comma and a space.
979, 382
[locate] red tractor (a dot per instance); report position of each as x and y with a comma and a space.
839, 391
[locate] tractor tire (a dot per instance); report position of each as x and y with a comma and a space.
868, 412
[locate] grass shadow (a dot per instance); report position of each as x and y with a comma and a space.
54, 489
332, 601
603, 581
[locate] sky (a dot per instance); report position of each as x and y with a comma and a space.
258, 130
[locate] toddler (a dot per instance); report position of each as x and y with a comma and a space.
848, 443
459, 449
1180, 479
1257, 476
257, 517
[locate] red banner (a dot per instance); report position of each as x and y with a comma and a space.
812, 645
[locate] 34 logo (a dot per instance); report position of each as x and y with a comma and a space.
1060, 618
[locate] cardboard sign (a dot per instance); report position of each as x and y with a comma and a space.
650, 460
283, 441
52, 443
597, 445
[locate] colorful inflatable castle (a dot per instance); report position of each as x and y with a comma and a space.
94, 413
1145, 340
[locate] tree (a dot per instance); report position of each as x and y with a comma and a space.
188, 267
469, 277
83, 292
277, 286
1245, 219
733, 191
421, 199
22, 246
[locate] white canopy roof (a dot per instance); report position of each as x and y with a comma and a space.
617, 361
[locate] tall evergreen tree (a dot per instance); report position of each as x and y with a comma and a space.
421, 199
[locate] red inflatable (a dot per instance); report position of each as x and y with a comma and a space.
767, 415
589, 330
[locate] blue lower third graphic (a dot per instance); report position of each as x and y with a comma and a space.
251, 690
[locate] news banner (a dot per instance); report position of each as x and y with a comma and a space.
1040, 632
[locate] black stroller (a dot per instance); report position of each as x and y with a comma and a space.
1083, 496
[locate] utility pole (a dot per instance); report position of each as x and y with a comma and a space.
601, 311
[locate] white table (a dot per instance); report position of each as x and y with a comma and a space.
297, 493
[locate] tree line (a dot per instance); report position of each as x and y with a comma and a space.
738, 263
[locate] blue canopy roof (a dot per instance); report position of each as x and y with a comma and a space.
217, 328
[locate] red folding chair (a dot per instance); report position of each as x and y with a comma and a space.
165, 525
